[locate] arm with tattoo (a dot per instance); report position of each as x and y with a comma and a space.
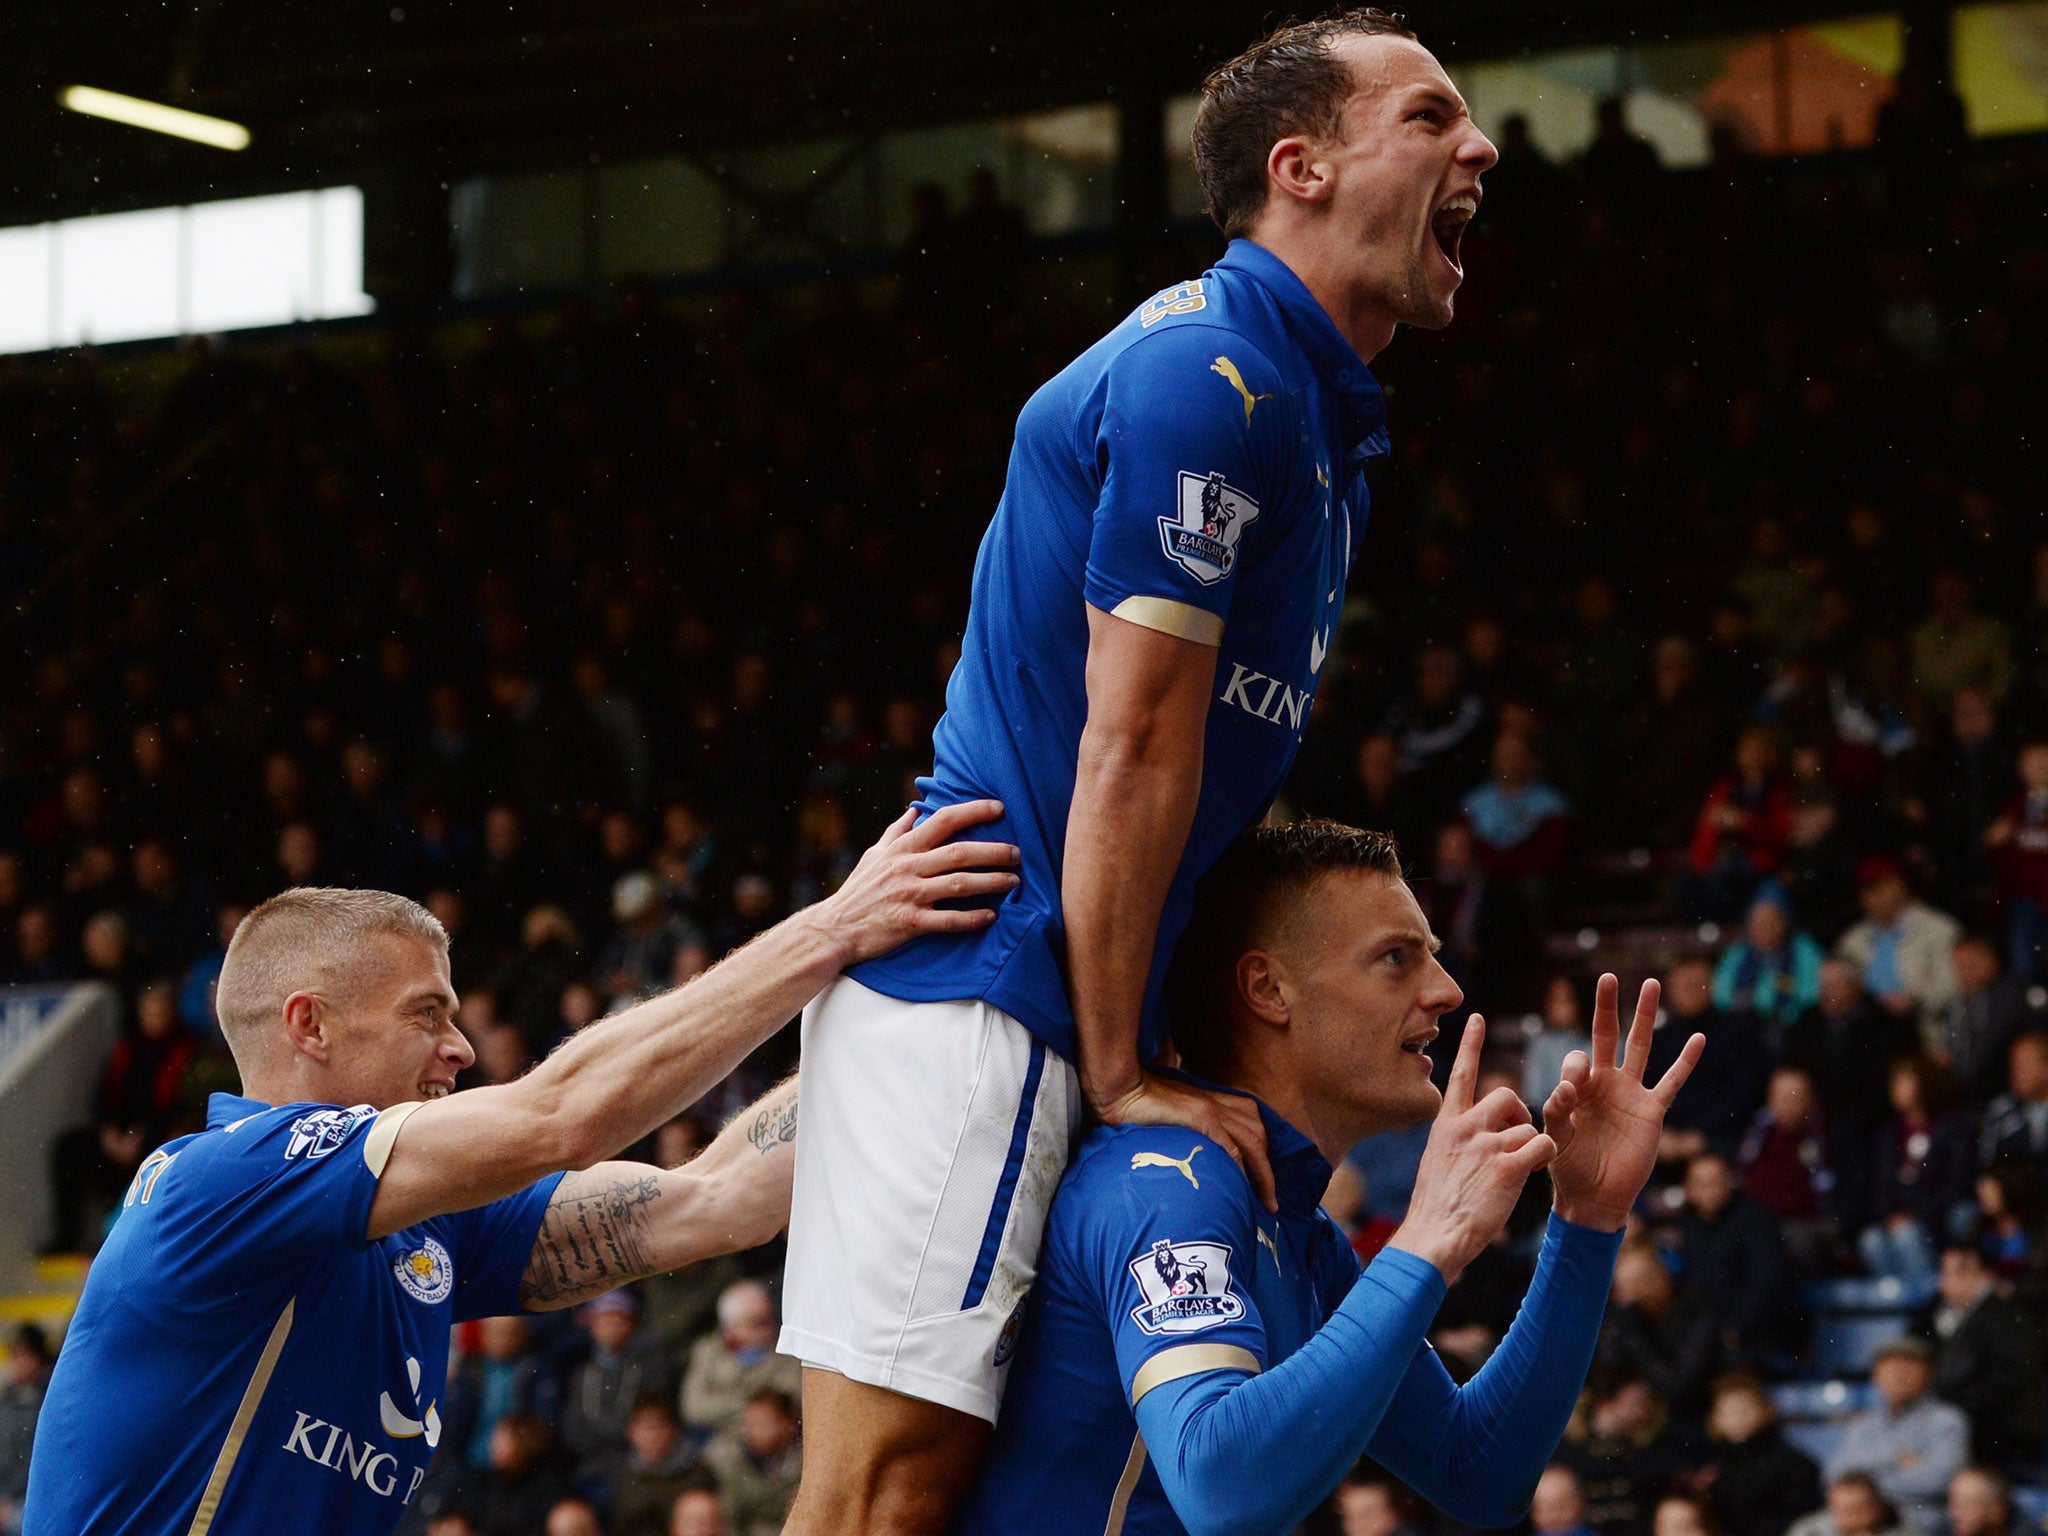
619, 1222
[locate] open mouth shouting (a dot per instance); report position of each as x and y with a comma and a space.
1448, 225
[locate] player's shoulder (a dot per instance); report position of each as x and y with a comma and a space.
283, 1133
1182, 350
1127, 1173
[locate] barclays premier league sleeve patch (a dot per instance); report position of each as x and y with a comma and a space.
1186, 1287
1213, 515
314, 1136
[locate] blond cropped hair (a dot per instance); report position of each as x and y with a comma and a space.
310, 938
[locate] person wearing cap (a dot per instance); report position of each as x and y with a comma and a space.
1904, 949
1910, 1442
625, 1365
639, 958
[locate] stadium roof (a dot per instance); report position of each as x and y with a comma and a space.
452, 87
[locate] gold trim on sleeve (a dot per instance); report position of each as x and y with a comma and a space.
238, 1431
384, 1133
1190, 1360
1184, 621
1120, 1501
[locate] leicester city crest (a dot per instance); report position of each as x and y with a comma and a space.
425, 1272
1212, 516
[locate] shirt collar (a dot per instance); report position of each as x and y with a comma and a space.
224, 1108
1301, 1174
1337, 364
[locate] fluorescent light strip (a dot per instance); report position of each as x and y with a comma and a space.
154, 116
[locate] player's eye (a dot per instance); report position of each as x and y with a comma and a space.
1426, 115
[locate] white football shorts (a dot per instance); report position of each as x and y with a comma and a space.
930, 1143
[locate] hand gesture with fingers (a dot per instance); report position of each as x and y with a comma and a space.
894, 892
1605, 1119
1478, 1158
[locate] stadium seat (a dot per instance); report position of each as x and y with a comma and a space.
1888, 1294
2031, 1503
1801, 1401
1846, 1343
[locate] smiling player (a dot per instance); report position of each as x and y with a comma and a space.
1152, 608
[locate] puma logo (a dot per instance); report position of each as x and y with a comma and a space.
1228, 369
1270, 1246
1161, 1160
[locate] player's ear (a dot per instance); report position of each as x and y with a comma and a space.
1297, 172
306, 1024
1262, 987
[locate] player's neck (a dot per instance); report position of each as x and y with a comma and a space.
1306, 250
1333, 1128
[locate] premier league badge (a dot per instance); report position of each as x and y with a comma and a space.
1214, 514
1186, 1287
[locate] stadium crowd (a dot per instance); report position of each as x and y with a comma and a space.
1703, 603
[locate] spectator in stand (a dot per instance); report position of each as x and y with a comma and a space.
1440, 732
1904, 949
697, 1512
657, 1467
1847, 1046
1680, 1514
1559, 1505
1618, 163
1489, 943
1787, 1168
1755, 1482
1551, 1036
2019, 843
2016, 1122
625, 1365
1520, 822
757, 1465
1956, 647
1385, 799
1987, 1359
1980, 1504
1921, 1184
501, 1377
141, 1093
1372, 1504
640, 956
2012, 1209
1911, 1443
573, 1516
195, 992
1734, 1259
512, 1494
1743, 827
1715, 1106
728, 1367
1668, 1340
1623, 1450
1973, 1034
1855, 1507
1671, 746
1772, 971
26, 1377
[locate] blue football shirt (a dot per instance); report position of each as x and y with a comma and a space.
243, 1358
1158, 1260
1200, 470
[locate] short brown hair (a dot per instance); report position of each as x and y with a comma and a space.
1287, 83
1248, 893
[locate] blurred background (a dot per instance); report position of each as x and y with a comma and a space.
539, 472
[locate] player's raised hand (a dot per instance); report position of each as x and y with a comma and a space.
895, 891
1478, 1158
1605, 1119
1231, 1120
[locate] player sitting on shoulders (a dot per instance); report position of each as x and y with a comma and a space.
1191, 1362
262, 1344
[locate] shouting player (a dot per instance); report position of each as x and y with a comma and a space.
263, 1342
1194, 1363
1152, 607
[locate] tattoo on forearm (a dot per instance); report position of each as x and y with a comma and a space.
593, 1238
773, 1126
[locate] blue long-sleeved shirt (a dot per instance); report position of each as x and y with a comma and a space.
1192, 1365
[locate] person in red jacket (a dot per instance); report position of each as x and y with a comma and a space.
1743, 828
